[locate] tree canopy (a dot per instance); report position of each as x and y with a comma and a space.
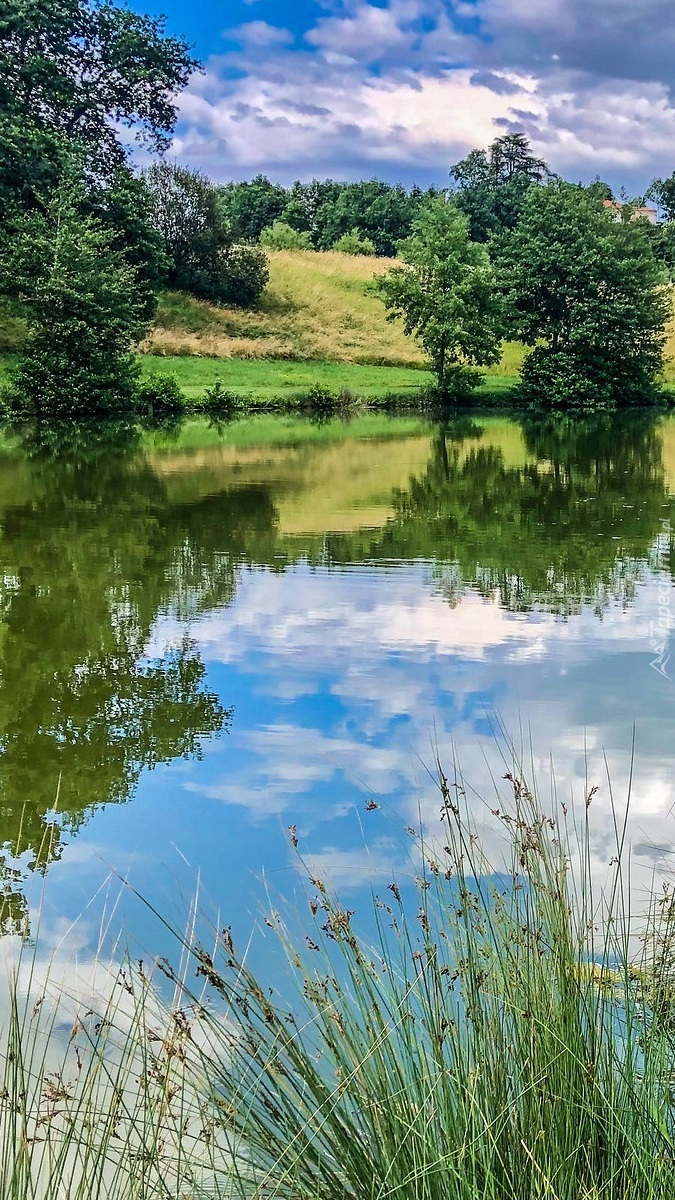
201, 255
445, 294
491, 184
78, 70
588, 293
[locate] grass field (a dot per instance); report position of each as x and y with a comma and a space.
267, 379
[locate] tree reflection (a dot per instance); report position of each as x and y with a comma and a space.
95, 546
573, 526
90, 557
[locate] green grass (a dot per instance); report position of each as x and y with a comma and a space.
488, 1031
267, 380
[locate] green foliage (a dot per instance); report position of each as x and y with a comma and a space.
588, 293
382, 212
354, 243
445, 293
160, 394
325, 210
202, 259
123, 207
73, 73
217, 401
491, 185
663, 191
74, 64
190, 221
252, 206
82, 306
280, 236
245, 274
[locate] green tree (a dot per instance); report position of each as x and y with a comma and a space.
202, 257
252, 206
380, 211
76, 73
445, 294
124, 208
589, 294
663, 192
83, 308
491, 184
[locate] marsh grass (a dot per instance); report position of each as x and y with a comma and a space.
493, 1027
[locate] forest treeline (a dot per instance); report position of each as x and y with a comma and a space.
88, 242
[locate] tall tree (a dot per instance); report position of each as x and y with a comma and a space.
79, 71
252, 206
491, 184
202, 256
588, 293
445, 294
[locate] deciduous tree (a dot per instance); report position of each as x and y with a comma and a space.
445, 294
588, 293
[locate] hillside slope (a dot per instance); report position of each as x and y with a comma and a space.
316, 306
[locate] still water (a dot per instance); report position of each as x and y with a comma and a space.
210, 634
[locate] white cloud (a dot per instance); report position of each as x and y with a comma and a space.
383, 88
369, 33
259, 33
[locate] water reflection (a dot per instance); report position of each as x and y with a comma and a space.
89, 558
574, 525
133, 563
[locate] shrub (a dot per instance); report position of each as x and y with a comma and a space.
217, 401
244, 275
354, 243
161, 393
573, 379
280, 236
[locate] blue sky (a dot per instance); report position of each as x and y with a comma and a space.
402, 88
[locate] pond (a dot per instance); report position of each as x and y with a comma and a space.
210, 634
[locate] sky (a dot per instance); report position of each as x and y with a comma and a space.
401, 89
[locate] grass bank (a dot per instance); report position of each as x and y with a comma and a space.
487, 1027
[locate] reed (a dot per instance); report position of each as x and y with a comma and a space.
497, 1027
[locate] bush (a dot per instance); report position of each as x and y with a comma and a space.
569, 380
161, 393
245, 275
280, 236
354, 243
217, 401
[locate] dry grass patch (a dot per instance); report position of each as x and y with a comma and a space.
317, 306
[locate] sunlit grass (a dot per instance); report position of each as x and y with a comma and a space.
317, 306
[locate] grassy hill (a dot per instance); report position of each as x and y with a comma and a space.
315, 307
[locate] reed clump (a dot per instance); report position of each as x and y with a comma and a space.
497, 1027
